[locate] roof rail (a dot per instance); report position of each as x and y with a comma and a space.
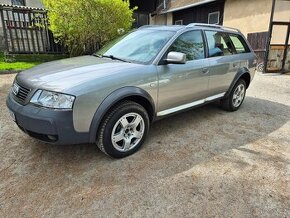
148, 26
212, 26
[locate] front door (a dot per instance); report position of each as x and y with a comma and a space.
182, 84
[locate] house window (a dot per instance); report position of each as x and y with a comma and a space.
162, 4
214, 18
179, 22
18, 2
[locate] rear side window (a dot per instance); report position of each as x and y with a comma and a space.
240, 44
219, 44
191, 44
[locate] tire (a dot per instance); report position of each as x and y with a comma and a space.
236, 97
123, 130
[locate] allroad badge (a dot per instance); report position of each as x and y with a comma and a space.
15, 89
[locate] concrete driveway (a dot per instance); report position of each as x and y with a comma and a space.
201, 163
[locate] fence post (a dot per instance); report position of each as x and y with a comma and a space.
4, 29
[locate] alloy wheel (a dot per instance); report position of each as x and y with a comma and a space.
239, 95
128, 132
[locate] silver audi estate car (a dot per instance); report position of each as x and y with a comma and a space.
112, 97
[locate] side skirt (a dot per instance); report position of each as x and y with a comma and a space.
190, 105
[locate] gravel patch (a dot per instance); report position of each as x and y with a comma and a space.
201, 163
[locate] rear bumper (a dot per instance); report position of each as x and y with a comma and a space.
50, 126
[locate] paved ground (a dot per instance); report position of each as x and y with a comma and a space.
204, 162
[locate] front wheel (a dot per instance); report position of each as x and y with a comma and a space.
123, 130
236, 97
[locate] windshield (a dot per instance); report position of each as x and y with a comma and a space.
141, 46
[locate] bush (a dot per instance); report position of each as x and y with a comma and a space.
83, 24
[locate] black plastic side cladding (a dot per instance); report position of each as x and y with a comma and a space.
113, 99
237, 77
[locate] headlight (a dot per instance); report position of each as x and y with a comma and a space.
53, 100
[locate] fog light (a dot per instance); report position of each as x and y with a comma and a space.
52, 137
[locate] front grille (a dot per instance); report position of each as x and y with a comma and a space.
20, 92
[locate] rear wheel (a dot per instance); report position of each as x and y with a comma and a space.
236, 97
123, 130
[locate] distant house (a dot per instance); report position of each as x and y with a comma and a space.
247, 15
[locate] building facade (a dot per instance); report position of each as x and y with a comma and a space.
142, 14
247, 15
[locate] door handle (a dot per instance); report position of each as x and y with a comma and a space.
205, 70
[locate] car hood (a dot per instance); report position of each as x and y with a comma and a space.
64, 74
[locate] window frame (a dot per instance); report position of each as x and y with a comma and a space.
24, 3
212, 13
204, 46
242, 40
176, 22
227, 35
161, 61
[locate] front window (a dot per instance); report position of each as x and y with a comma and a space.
191, 44
141, 46
18, 2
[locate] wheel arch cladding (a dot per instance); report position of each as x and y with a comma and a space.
247, 77
242, 74
135, 94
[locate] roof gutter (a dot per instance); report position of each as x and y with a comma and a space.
187, 6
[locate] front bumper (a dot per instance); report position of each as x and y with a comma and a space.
51, 126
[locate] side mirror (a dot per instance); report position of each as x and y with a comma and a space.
176, 58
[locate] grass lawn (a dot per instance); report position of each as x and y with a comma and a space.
23, 62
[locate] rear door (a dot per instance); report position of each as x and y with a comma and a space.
246, 61
224, 64
181, 84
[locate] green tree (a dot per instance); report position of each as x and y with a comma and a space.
81, 24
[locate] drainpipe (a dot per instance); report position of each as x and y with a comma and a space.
269, 35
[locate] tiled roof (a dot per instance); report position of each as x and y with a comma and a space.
20, 7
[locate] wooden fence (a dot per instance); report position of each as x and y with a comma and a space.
258, 41
26, 31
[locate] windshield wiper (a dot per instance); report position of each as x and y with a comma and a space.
111, 57
98, 55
